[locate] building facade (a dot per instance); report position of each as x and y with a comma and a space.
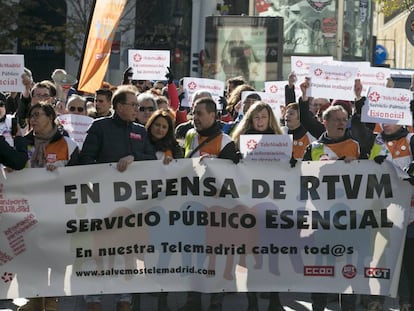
342, 29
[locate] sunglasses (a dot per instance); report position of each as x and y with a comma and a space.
80, 109
150, 109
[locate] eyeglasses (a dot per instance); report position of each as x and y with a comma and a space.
133, 105
150, 109
80, 109
42, 96
36, 115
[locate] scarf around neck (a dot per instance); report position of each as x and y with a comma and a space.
38, 158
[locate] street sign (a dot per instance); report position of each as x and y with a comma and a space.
381, 54
409, 28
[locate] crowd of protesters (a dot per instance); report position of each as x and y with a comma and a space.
147, 120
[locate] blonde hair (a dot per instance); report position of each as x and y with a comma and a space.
246, 124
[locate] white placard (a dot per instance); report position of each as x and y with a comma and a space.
300, 64
387, 105
277, 90
336, 82
372, 76
276, 103
266, 147
351, 64
76, 126
11, 70
215, 87
149, 64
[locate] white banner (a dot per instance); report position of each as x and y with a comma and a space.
148, 64
210, 226
387, 105
335, 82
11, 70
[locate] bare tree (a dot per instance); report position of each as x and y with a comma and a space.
391, 6
60, 24
9, 12
78, 21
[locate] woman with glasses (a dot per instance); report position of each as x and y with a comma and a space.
47, 145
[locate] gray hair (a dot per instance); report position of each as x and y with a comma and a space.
201, 93
74, 97
146, 97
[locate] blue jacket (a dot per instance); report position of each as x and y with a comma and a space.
14, 158
110, 139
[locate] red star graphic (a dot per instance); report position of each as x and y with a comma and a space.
273, 89
137, 57
192, 85
317, 72
380, 76
251, 144
374, 96
299, 63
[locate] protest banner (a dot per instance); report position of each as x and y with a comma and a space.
215, 87
276, 103
149, 64
11, 70
351, 64
373, 76
300, 64
76, 126
369, 76
387, 105
334, 82
277, 89
208, 226
266, 147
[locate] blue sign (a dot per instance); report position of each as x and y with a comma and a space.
381, 54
